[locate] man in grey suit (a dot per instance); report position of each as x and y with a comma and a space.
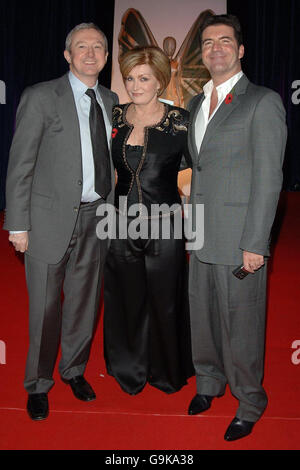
59, 172
237, 141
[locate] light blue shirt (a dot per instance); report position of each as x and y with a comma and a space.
83, 104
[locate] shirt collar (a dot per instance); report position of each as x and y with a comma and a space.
225, 87
78, 86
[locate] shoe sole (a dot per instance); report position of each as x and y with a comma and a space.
38, 418
84, 399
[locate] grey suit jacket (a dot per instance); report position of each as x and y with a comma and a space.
237, 174
44, 179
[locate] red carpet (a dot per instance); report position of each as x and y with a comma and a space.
153, 420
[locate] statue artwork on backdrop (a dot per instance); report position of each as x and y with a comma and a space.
189, 75
188, 72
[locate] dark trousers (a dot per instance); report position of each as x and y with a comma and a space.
69, 323
228, 332
146, 318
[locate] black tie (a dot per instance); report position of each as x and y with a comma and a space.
100, 147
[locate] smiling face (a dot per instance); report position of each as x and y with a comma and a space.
220, 52
141, 84
87, 55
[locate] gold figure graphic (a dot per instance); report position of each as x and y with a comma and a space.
188, 72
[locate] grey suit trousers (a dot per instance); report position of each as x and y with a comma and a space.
71, 322
228, 334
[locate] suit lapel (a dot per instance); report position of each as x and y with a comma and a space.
107, 102
193, 115
66, 108
224, 112
221, 115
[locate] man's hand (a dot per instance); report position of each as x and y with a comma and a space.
19, 240
252, 261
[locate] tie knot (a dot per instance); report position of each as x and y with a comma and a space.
91, 93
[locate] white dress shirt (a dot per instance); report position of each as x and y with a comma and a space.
83, 104
202, 120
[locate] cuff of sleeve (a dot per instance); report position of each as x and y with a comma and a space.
17, 231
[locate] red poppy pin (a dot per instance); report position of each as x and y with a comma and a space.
229, 98
114, 132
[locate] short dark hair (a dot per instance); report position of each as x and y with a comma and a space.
229, 20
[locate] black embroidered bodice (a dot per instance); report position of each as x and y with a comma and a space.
148, 174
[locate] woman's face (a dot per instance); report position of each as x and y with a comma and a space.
142, 85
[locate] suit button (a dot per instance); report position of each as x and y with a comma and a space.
80, 183
199, 168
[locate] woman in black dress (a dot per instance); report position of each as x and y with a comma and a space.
146, 316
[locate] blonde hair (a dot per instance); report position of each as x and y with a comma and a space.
151, 55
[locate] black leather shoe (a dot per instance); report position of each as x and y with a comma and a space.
37, 406
81, 388
237, 429
199, 404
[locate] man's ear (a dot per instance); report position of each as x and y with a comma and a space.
241, 51
67, 56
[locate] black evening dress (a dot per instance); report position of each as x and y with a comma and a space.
146, 311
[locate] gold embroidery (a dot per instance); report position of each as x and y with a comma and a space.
118, 116
176, 118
